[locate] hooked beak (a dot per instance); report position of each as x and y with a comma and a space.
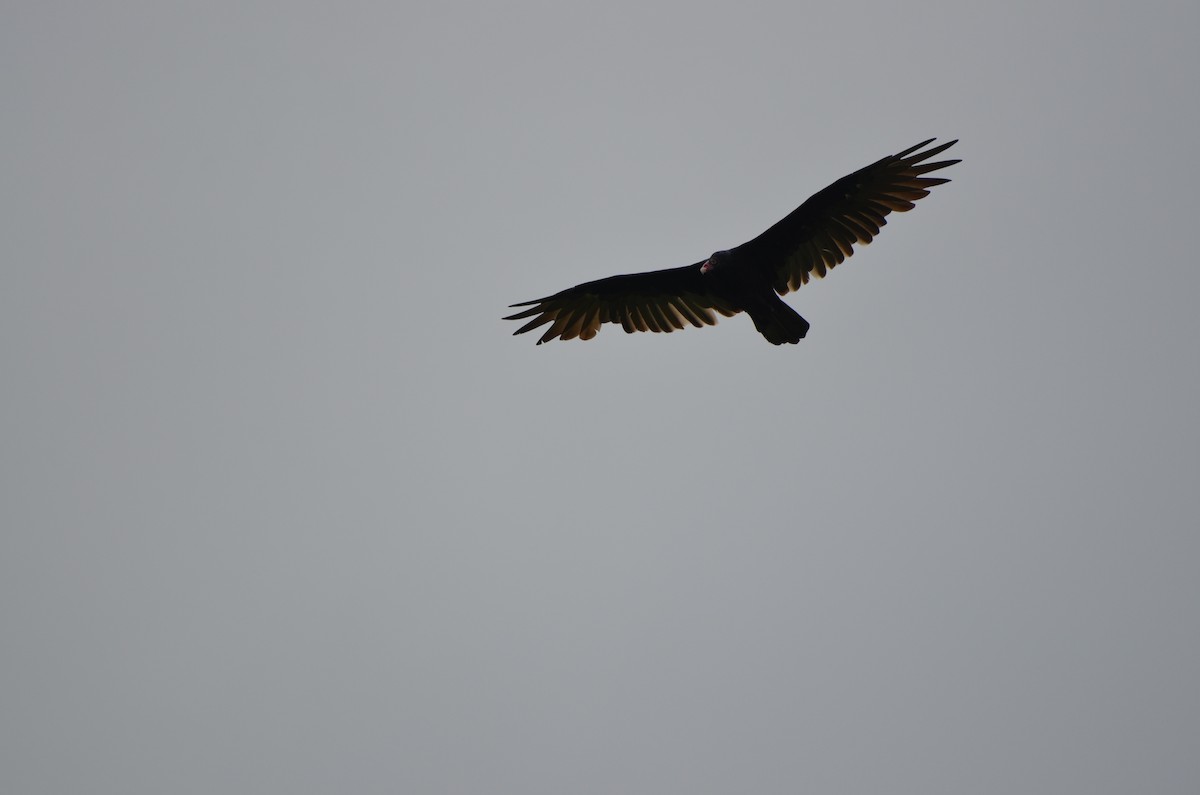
707, 266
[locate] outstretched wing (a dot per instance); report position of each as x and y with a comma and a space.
663, 300
822, 232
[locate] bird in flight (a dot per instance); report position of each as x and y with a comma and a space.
810, 241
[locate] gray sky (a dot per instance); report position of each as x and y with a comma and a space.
286, 509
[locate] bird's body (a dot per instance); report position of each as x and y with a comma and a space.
812, 239
748, 289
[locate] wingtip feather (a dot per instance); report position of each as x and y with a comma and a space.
928, 153
912, 149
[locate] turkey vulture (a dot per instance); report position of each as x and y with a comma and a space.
811, 240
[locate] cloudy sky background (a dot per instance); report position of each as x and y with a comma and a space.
284, 507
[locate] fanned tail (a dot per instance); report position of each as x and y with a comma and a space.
778, 322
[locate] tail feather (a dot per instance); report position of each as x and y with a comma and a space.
778, 322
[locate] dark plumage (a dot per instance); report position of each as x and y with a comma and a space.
811, 240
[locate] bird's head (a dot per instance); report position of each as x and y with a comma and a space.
715, 261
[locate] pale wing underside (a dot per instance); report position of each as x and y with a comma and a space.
658, 301
821, 233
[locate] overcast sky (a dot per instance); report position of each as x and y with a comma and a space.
285, 508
